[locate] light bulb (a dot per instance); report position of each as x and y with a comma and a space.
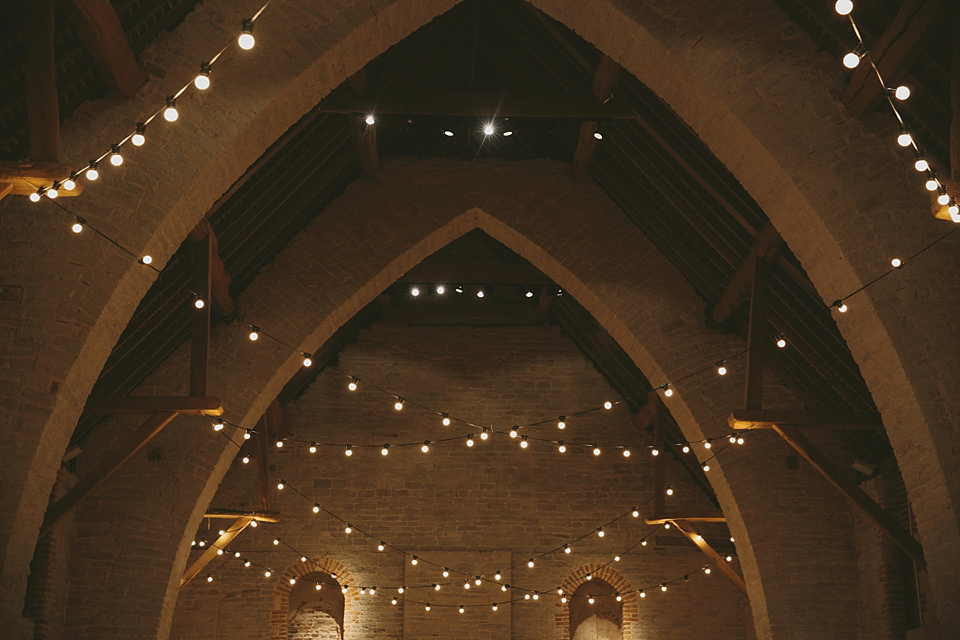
600, 532
740, 440
400, 590
318, 586
246, 39
904, 139
643, 594
199, 303
446, 420
781, 342
313, 448
293, 581
513, 432
931, 184
348, 529
507, 134
307, 360
202, 81
851, 60
902, 92
385, 450
218, 426
504, 587
209, 578
426, 446
669, 492
92, 173
77, 226
115, 158
353, 384
530, 563
69, 184
523, 442
943, 199
466, 584
566, 549
441, 289
921, 165
316, 508
245, 459
246, 564
276, 541
369, 119
279, 444
896, 262
470, 441
589, 576
561, 424
655, 452
280, 486
398, 405
729, 558
170, 113
461, 609
488, 129
53, 191
842, 308
426, 608
254, 334
635, 513
686, 449
562, 448
34, 197
844, 7
706, 467
202, 543
608, 405
497, 576
667, 391
415, 292
721, 369
494, 607
596, 450
138, 138
591, 600
414, 560
626, 453
529, 294
707, 444
393, 601
448, 133
348, 451
480, 293
484, 434
446, 572
663, 587
343, 589
598, 135
733, 439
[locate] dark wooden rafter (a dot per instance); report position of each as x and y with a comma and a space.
765, 248
757, 337
220, 279
842, 481
24, 178
206, 406
99, 28
268, 427
955, 99
769, 418
700, 517
211, 552
490, 105
202, 254
716, 559
893, 53
42, 98
604, 80
106, 467
363, 134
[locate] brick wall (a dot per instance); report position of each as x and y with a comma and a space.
477, 509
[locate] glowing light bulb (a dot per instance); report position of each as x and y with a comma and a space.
293, 581
528, 294
353, 385
504, 587
426, 608
507, 134
497, 576
598, 135
561, 424
415, 292
254, 334
139, 138
781, 343
562, 448
643, 594
931, 184
218, 426
414, 560
446, 420
385, 450
92, 173
530, 563
470, 441
34, 197
202, 81
393, 601
280, 486
943, 199
896, 263
600, 532
608, 405
706, 467
707, 444
441, 289
466, 584
209, 578
316, 508
902, 92
246, 39
446, 572
448, 133
401, 590
494, 607
307, 360
488, 129
596, 450
844, 7
669, 492
199, 303
523, 442
513, 432
313, 447
461, 609
398, 405
69, 184
276, 541
663, 587
626, 453
246, 564
480, 293
348, 451
921, 165
635, 513
566, 549
616, 558
842, 308
591, 600
686, 449
667, 391
53, 191
170, 113
426, 446
904, 139
655, 452
484, 434
740, 440
721, 369
851, 60
77, 226
115, 158
245, 459
348, 529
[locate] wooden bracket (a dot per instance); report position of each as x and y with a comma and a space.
188, 406
719, 561
765, 248
100, 30
211, 552
707, 517
769, 418
233, 514
106, 467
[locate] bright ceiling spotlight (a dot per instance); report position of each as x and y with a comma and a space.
488, 129
598, 135
507, 134
448, 133
369, 119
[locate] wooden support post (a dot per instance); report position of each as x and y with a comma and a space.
202, 253
99, 28
659, 482
211, 552
893, 53
42, 97
757, 337
106, 467
769, 418
205, 406
836, 476
719, 561
765, 247
604, 80
544, 302
269, 425
219, 277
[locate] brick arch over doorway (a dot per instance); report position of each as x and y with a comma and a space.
631, 612
298, 569
601, 259
790, 145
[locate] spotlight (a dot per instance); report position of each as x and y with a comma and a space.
369, 119
488, 129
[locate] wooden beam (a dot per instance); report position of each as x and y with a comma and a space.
219, 276
106, 467
100, 31
604, 80
659, 482
894, 53
718, 517
5, 189
769, 418
757, 337
268, 426
26, 177
547, 294
43, 106
474, 272
211, 552
232, 514
365, 144
955, 97
766, 247
719, 561
575, 107
188, 406
202, 254
842, 481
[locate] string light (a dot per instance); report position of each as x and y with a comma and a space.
902, 92
596, 450
626, 453
353, 384
385, 450
398, 405
307, 360
313, 447
370, 120
415, 292
488, 130
851, 60
523, 442
667, 391
608, 405
77, 226
170, 113
426, 446
348, 529
138, 139
446, 420
92, 173
115, 158
254, 334
844, 7
561, 423
721, 369
279, 443
35, 196
348, 451
470, 440
441, 289
246, 39
202, 81
562, 448
199, 303
598, 135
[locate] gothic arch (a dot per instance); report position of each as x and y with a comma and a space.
298, 569
578, 577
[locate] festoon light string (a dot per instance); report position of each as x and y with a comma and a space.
901, 93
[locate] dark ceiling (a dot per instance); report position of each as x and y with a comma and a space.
655, 168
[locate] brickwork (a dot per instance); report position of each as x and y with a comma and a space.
789, 524
744, 78
477, 510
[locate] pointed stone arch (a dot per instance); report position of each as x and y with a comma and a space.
282, 588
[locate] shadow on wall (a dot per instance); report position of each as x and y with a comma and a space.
595, 613
316, 608
594, 628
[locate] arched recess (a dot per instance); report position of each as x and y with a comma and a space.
326, 571
772, 120
577, 580
602, 260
